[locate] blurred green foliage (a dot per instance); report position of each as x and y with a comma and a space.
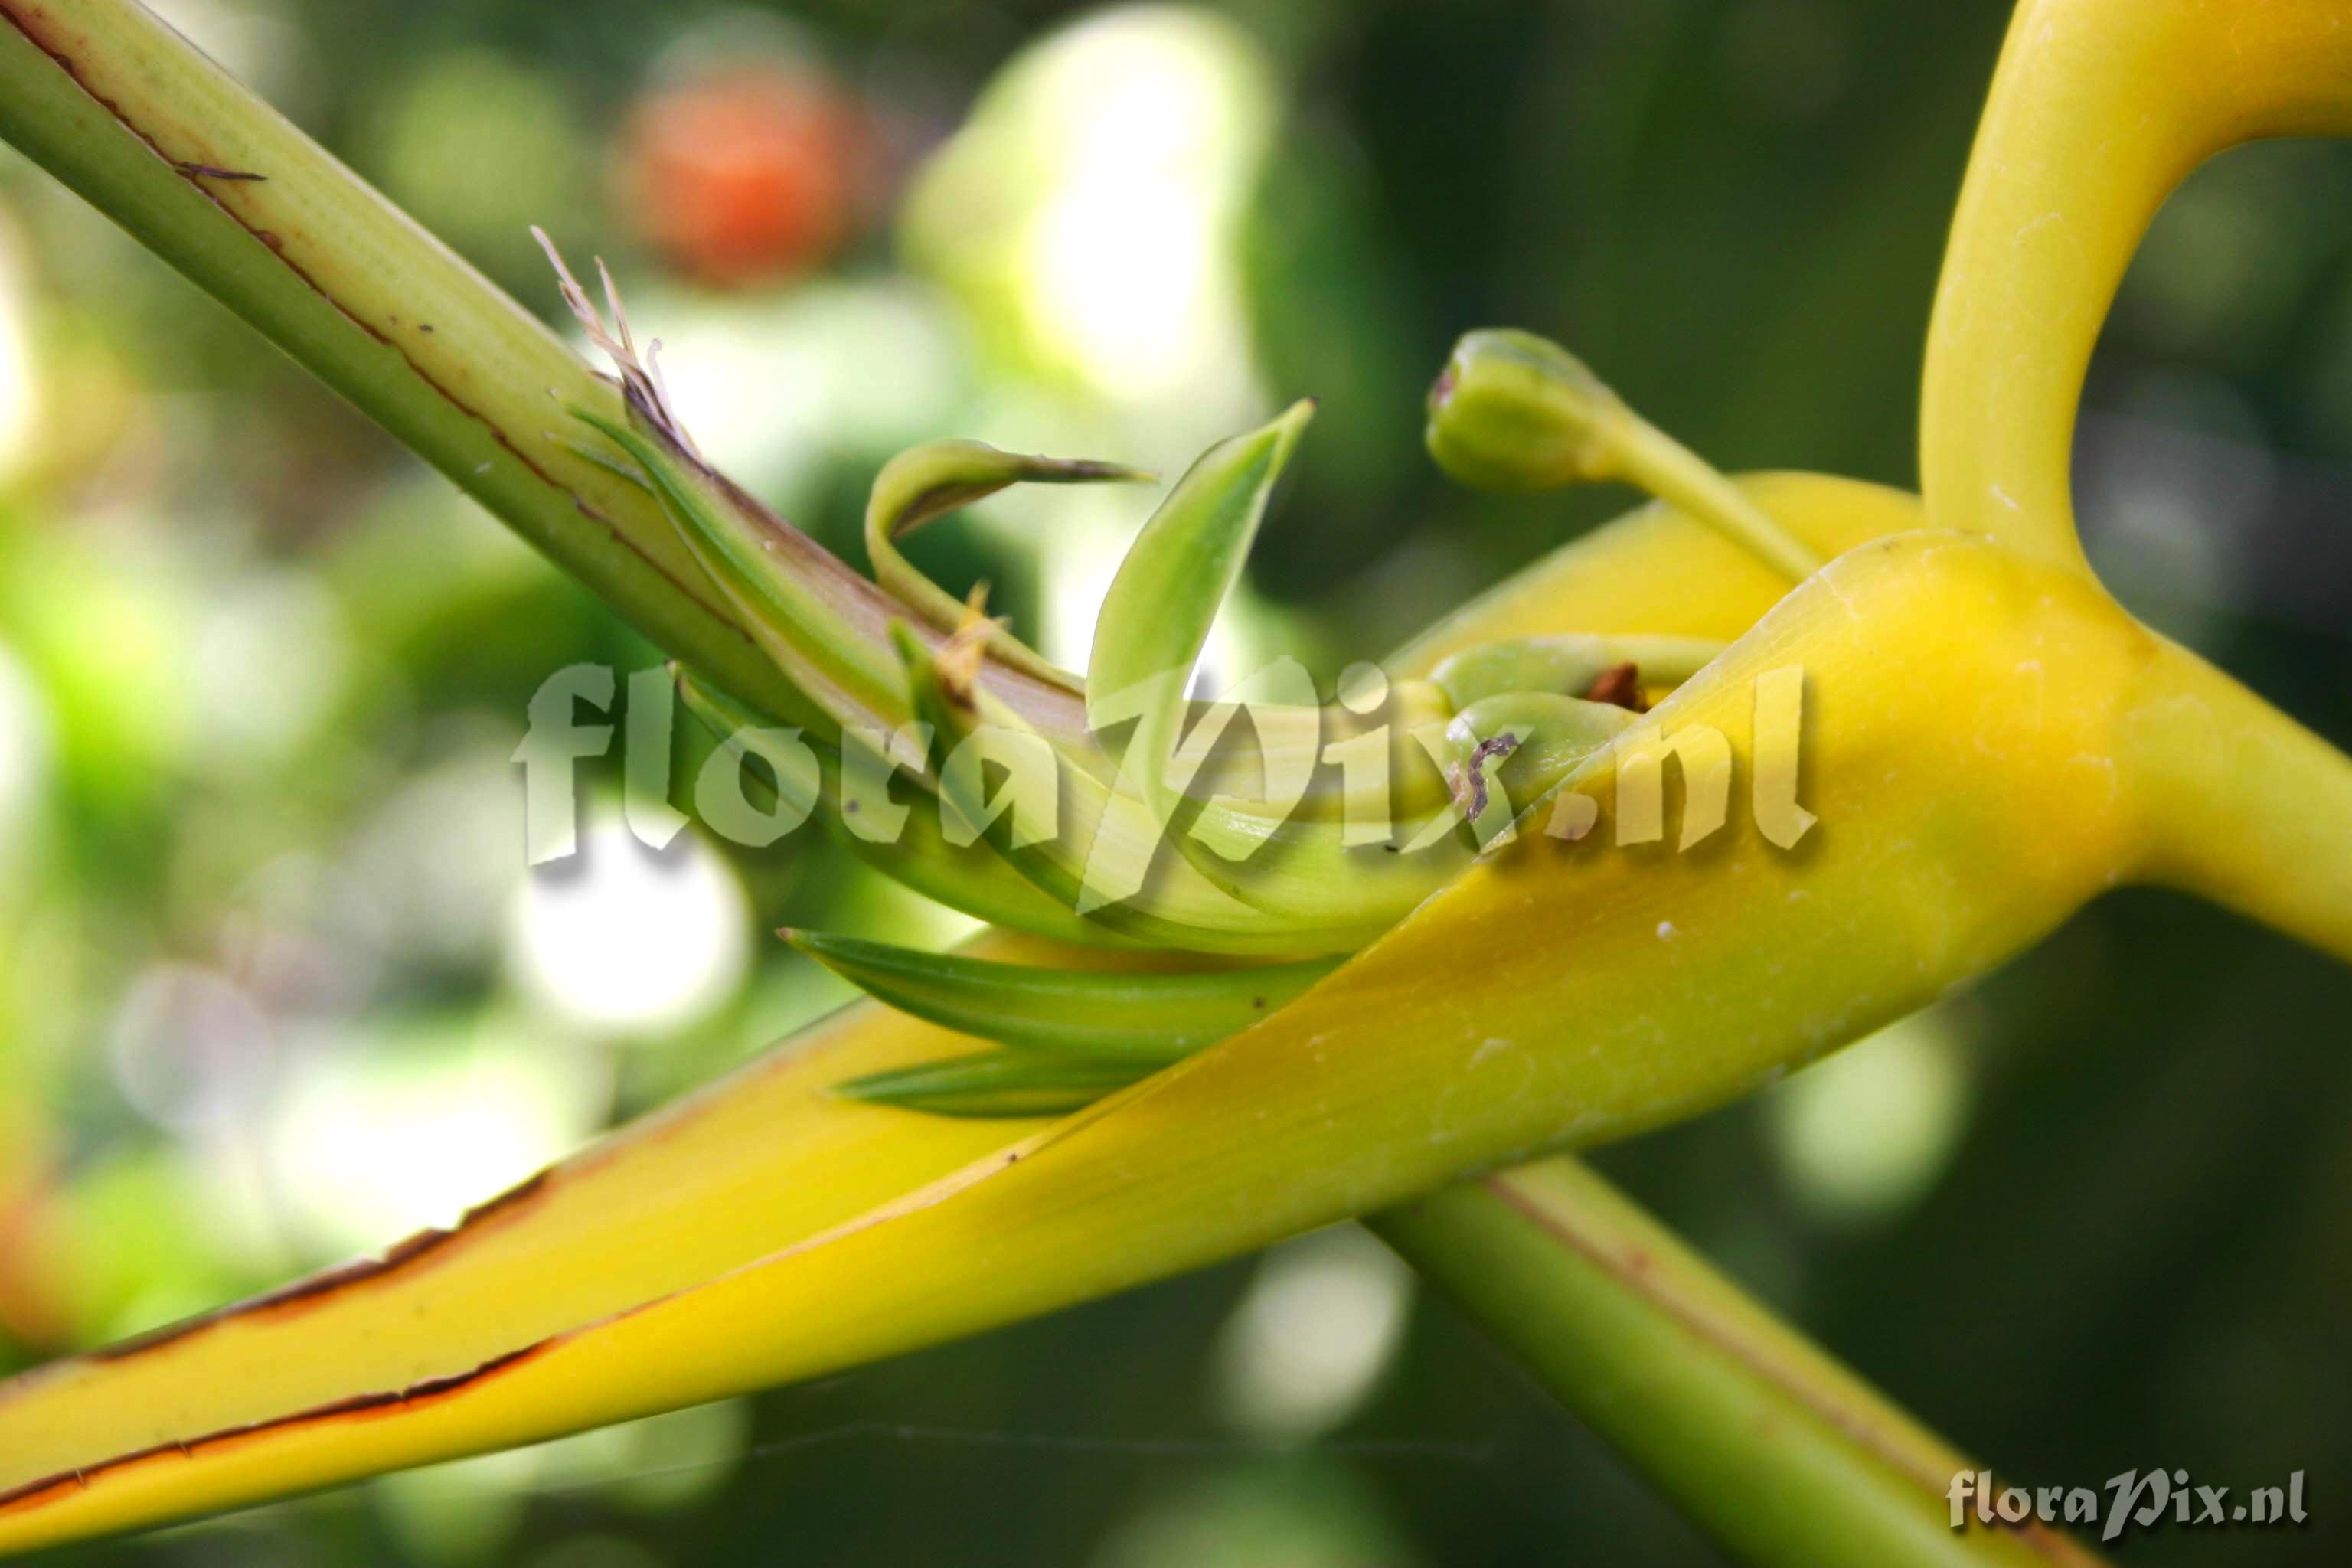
274, 983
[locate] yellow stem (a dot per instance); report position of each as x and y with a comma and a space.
2246, 806
2099, 108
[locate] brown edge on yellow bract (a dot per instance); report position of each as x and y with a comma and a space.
311, 1290
52, 1488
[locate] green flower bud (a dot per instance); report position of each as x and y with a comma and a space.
1512, 411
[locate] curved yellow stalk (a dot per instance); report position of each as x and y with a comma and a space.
2099, 108
2247, 807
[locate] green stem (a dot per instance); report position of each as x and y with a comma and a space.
126, 112
1674, 474
1777, 1450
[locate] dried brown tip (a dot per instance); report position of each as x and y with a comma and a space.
1620, 686
640, 377
960, 658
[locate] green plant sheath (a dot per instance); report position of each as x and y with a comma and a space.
1775, 1449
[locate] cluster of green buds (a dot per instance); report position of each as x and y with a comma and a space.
1110, 809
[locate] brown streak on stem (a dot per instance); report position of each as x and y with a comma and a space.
1635, 1270
1022, 689
23, 18
52, 1488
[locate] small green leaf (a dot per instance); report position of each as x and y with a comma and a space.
997, 1084
936, 478
1180, 569
1152, 1018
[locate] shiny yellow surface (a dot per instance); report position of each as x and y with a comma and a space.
1655, 571
2099, 108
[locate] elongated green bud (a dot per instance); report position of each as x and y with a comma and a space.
1150, 1018
997, 1084
1512, 411
1516, 412
1303, 889
819, 638
1105, 836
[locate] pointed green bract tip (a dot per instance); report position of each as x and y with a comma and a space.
915, 656
1283, 430
994, 1085
1181, 568
937, 476
1513, 411
847, 956
1137, 1017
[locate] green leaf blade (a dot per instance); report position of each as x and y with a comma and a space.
1105, 1015
995, 1085
1181, 568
